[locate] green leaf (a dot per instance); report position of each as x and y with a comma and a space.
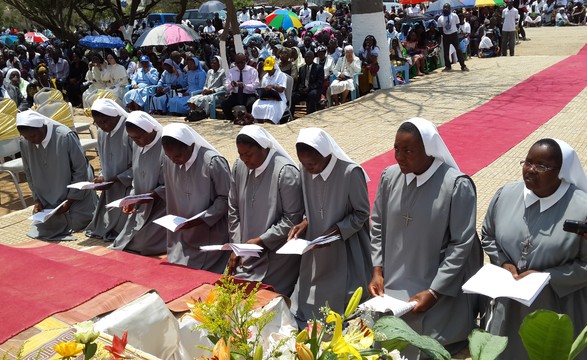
485, 346
579, 345
90, 350
397, 332
547, 335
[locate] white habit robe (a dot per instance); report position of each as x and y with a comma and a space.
140, 234
202, 187
116, 151
332, 273
561, 254
424, 238
271, 109
267, 204
49, 169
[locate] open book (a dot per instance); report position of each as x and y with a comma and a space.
239, 249
129, 200
301, 246
387, 303
175, 223
494, 281
44, 215
87, 185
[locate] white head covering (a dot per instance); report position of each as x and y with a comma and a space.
186, 135
348, 47
265, 139
34, 119
144, 121
571, 170
325, 145
8, 73
433, 143
109, 107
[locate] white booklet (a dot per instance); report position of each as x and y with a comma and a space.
87, 185
44, 215
175, 223
239, 249
494, 281
301, 246
387, 303
129, 200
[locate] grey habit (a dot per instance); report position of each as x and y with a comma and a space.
425, 238
332, 274
267, 206
48, 171
140, 234
116, 154
204, 186
562, 254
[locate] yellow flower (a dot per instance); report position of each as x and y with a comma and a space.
196, 306
303, 352
221, 350
339, 345
68, 349
85, 333
302, 336
354, 303
359, 335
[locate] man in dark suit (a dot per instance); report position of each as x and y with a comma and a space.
10, 91
309, 86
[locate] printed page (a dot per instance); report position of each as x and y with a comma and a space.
131, 199
387, 303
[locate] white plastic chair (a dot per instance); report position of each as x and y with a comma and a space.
9, 148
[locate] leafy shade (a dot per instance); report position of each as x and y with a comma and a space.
548, 335
485, 346
398, 335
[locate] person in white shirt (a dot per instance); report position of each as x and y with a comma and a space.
487, 48
305, 14
322, 15
244, 15
464, 33
414, 10
209, 28
508, 35
447, 24
562, 19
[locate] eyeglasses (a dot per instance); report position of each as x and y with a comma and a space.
536, 167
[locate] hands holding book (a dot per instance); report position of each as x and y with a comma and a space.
236, 261
100, 179
512, 269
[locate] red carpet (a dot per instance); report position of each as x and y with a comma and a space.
170, 281
479, 137
33, 288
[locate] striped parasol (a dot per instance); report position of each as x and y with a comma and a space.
35, 37
282, 18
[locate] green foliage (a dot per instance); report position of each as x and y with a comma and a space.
485, 346
579, 344
396, 334
228, 316
238, 4
547, 335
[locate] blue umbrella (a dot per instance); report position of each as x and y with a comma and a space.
436, 7
102, 41
9, 39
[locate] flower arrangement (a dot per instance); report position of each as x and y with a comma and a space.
85, 343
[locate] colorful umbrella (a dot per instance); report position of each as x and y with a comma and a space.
252, 24
315, 23
282, 18
436, 7
482, 3
102, 41
167, 34
319, 28
35, 37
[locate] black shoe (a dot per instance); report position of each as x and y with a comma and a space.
447, 69
464, 68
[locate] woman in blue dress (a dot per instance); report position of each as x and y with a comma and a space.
196, 79
145, 76
172, 79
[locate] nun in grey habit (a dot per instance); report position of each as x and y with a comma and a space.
523, 233
423, 238
197, 179
140, 234
265, 203
336, 202
115, 149
53, 158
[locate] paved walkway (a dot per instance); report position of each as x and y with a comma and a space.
366, 127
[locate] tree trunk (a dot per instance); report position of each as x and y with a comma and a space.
368, 19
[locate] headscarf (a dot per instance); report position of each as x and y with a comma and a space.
325, 145
169, 62
433, 143
571, 170
8, 73
198, 64
34, 119
186, 135
144, 121
109, 107
264, 139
